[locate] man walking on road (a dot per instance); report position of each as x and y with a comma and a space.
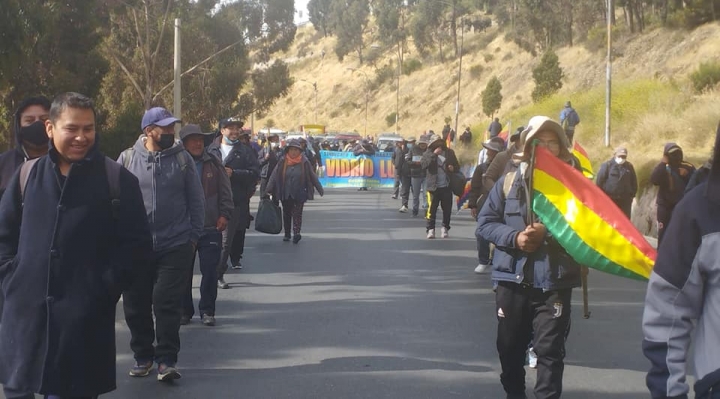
417, 174
218, 210
671, 176
682, 297
405, 178
439, 161
242, 166
531, 295
73, 235
175, 208
618, 180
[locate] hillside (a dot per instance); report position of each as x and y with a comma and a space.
652, 99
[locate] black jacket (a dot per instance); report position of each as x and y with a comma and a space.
63, 273
617, 181
11, 159
477, 189
243, 161
416, 169
268, 165
671, 180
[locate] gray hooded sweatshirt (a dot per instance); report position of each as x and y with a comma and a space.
173, 196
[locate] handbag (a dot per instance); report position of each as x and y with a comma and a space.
457, 182
269, 217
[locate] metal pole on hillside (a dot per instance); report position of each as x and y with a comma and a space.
397, 91
608, 85
177, 109
457, 102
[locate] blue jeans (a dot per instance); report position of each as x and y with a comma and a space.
483, 249
209, 249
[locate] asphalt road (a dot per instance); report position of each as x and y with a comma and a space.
366, 307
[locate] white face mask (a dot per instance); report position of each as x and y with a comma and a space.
619, 160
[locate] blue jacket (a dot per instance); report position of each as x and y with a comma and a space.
173, 195
683, 294
243, 161
66, 254
500, 220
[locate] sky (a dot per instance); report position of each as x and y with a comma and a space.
301, 14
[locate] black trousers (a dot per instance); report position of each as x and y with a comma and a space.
405, 185
396, 186
442, 196
159, 288
570, 134
234, 237
625, 204
209, 249
664, 214
520, 311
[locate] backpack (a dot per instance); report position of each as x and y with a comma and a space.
571, 119
112, 170
128, 156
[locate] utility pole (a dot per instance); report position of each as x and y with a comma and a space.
457, 102
177, 86
397, 92
316, 91
608, 83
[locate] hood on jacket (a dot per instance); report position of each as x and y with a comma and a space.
670, 146
540, 123
40, 100
713, 182
140, 149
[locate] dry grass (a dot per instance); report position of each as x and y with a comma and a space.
652, 99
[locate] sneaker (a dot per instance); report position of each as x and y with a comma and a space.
403, 209
222, 284
237, 266
184, 320
208, 320
445, 232
481, 268
167, 373
286, 238
532, 359
297, 238
431, 234
141, 369
394, 197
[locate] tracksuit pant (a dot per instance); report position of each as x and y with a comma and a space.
522, 310
442, 197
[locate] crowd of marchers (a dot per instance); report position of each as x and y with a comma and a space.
533, 275
79, 230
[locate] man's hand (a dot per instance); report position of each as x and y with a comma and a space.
530, 239
221, 224
474, 213
665, 160
228, 171
451, 168
438, 151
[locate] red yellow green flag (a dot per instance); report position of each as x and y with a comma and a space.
585, 221
585, 163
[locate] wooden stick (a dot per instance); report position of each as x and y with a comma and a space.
584, 278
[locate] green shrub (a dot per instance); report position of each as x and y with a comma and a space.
706, 76
507, 57
390, 119
334, 113
488, 57
476, 71
411, 65
384, 74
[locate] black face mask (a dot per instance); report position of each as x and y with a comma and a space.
166, 141
34, 133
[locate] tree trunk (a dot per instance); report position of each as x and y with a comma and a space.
570, 24
664, 11
639, 15
612, 12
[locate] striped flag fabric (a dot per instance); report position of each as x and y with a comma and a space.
585, 163
585, 221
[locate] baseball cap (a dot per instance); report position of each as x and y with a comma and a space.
233, 120
621, 151
158, 116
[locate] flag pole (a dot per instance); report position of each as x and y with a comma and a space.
531, 184
584, 271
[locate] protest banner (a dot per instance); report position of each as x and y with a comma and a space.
343, 169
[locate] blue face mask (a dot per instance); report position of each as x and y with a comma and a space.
409, 146
230, 142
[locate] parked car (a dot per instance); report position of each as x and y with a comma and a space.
386, 141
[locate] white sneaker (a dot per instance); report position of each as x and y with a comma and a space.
403, 209
431, 234
481, 269
532, 359
445, 232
